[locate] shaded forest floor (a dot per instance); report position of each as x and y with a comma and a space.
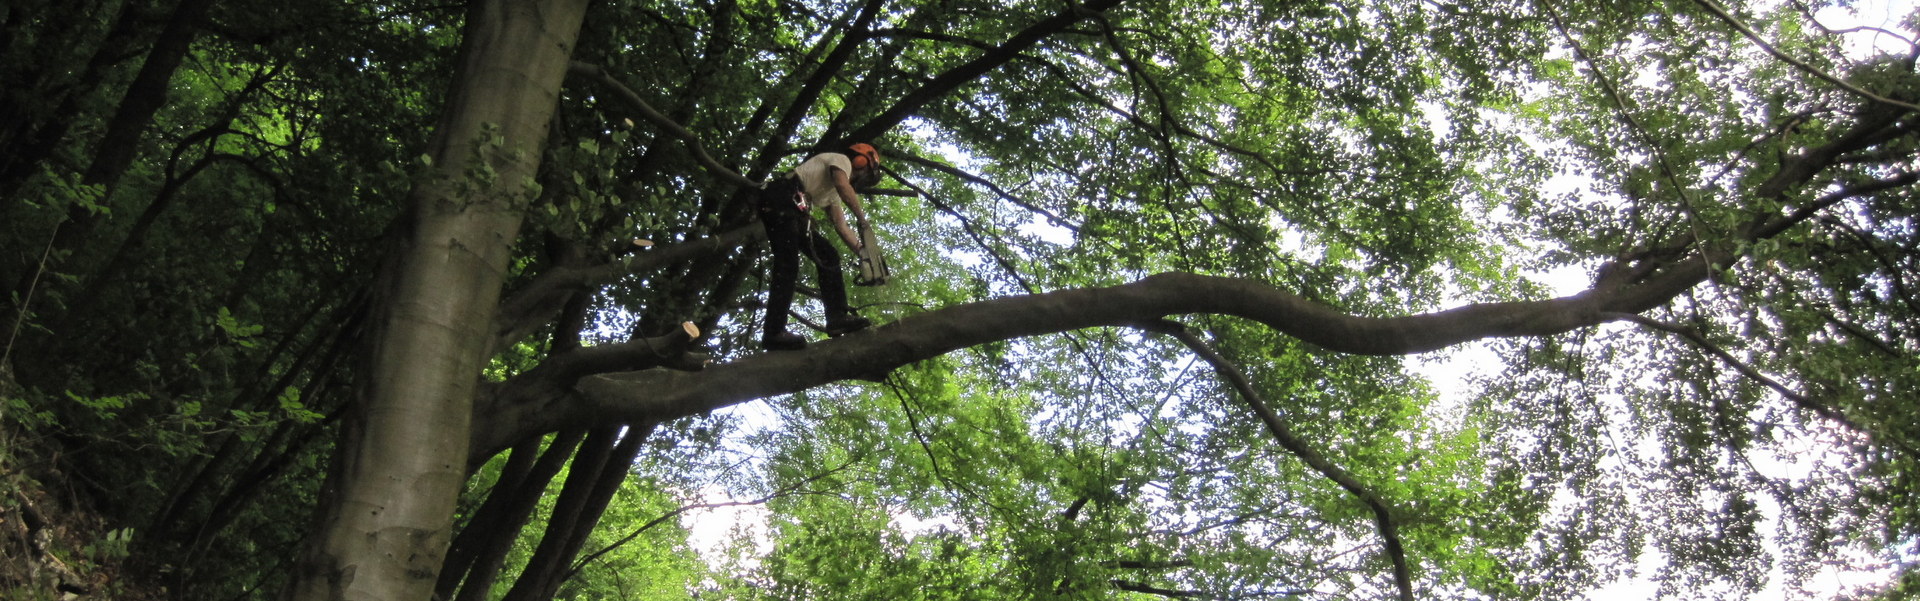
51, 547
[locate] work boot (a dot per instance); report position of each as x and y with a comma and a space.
846, 323
783, 341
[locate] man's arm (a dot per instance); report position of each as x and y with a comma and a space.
852, 201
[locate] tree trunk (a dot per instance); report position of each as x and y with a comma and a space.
480, 551
28, 135
385, 522
145, 95
121, 143
582, 501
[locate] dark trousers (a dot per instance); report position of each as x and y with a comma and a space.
790, 233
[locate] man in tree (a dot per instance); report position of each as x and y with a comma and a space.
826, 181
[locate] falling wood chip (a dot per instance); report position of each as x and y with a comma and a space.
692, 331
642, 242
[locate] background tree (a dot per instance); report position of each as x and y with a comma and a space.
1158, 264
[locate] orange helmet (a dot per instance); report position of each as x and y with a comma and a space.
864, 156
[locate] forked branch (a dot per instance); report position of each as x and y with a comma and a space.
1382, 513
659, 120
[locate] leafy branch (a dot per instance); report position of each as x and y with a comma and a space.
797, 488
1741, 26
1694, 337
1382, 512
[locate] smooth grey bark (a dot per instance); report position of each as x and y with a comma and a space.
387, 518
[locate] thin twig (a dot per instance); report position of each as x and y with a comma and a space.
1807, 12
793, 489
26, 301
1700, 341
933, 459
972, 232
1654, 145
989, 185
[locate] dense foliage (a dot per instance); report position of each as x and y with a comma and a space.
1684, 236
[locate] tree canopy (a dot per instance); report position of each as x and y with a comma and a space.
412, 300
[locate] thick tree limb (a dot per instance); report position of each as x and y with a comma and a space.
804, 102
663, 395
1811, 209
552, 382
428, 330
1135, 587
1872, 128
1126, 564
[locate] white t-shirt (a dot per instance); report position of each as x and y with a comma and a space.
816, 178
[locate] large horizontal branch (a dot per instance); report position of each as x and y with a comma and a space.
658, 395
551, 382
663, 394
